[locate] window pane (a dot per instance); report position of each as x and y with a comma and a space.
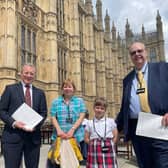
34, 43
28, 45
23, 57
23, 37
28, 40
29, 58
34, 60
153, 55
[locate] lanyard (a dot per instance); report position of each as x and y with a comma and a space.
102, 138
69, 117
68, 109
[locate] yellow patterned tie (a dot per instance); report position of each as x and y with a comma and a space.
143, 95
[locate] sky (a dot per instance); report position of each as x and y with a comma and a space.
138, 12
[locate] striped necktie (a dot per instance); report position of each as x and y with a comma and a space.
28, 95
143, 92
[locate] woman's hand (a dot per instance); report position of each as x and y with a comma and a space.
70, 133
61, 134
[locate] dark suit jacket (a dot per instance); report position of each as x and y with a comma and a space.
11, 99
157, 94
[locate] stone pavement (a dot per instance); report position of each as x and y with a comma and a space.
123, 163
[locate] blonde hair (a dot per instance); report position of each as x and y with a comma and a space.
68, 82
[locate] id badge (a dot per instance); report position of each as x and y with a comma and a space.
140, 90
105, 149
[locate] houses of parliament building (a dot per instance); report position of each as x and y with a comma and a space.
66, 39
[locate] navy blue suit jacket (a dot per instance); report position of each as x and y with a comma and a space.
11, 99
157, 94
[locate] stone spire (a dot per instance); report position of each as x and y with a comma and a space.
127, 29
81, 1
119, 39
99, 14
89, 7
159, 26
128, 33
143, 33
160, 36
107, 25
113, 30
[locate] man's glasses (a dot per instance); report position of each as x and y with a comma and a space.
137, 51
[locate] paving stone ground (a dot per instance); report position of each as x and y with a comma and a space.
122, 162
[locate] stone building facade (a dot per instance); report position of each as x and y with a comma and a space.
64, 38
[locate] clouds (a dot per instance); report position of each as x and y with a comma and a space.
138, 12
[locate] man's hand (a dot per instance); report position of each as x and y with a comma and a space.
21, 125
28, 129
165, 120
18, 124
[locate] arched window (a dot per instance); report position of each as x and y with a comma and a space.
28, 45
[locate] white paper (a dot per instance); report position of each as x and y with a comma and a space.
27, 115
149, 125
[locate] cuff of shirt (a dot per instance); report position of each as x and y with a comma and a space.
13, 125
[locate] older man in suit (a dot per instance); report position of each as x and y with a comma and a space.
16, 139
150, 152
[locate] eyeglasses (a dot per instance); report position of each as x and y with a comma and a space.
137, 51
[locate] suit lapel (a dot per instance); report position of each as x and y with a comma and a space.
19, 89
129, 84
33, 96
151, 82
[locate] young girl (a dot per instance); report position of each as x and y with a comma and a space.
101, 136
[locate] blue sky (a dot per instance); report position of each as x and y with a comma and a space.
138, 12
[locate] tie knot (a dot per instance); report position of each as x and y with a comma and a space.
140, 72
140, 75
27, 86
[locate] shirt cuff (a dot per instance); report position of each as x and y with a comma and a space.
13, 125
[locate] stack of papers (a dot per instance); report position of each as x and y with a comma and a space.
150, 125
27, 115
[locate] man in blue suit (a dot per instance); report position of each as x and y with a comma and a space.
16, 139
150, 152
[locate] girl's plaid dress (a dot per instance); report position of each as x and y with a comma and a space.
97, 158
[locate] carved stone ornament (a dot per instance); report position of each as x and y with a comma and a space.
30, 10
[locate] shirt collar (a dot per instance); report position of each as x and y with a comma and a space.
144, 68
98, 120
71, 99
24, 85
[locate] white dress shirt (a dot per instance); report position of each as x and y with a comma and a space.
97, 127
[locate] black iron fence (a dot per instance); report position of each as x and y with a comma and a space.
46, 132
